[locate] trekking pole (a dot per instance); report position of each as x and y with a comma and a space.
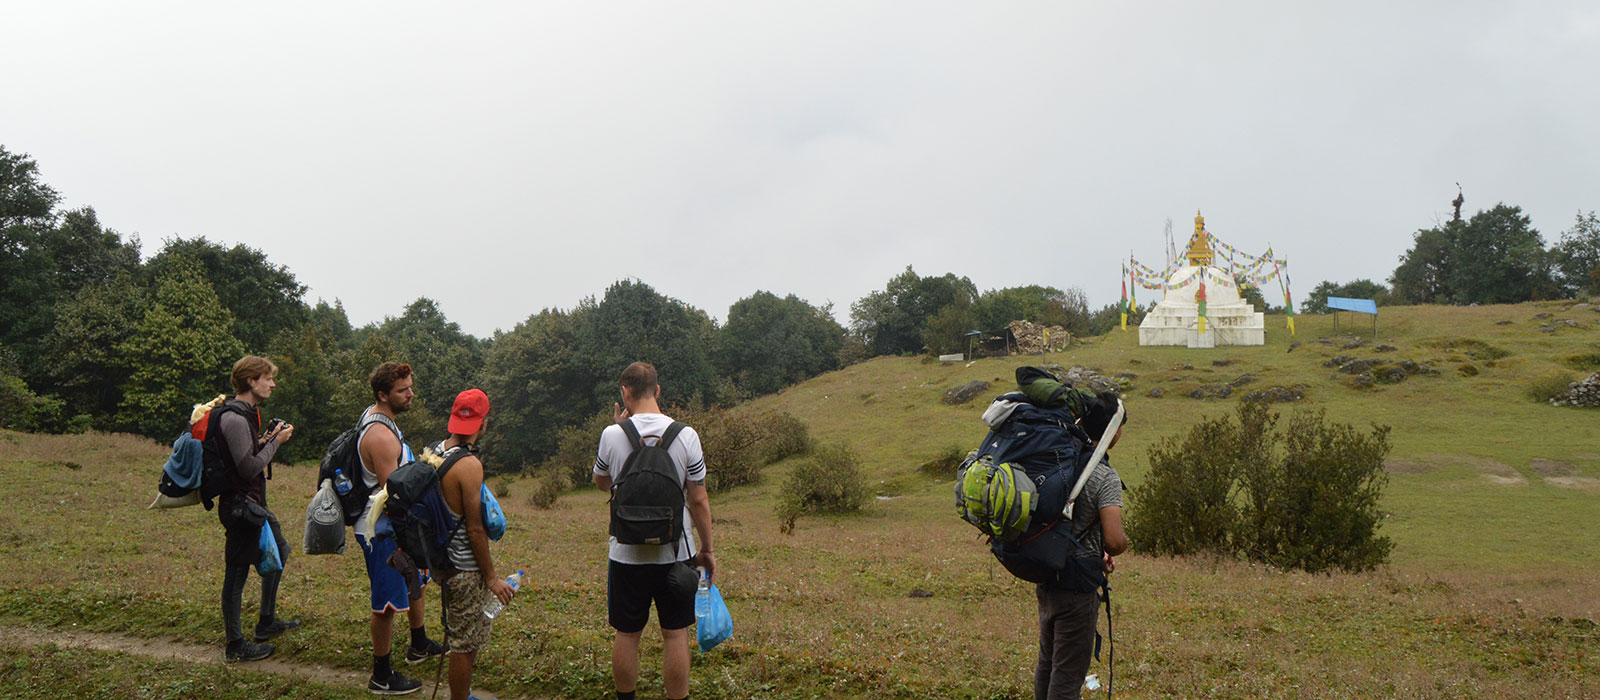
1111, 644
444, 609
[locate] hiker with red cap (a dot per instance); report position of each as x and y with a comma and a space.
469, 589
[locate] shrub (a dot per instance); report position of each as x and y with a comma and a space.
1303, 496
1550, 385
575, 449
830, 481
731, 444
502, 487
786, 436
547, 487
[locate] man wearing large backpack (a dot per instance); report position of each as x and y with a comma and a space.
235, 446
1067, 619
656, 494
382, 449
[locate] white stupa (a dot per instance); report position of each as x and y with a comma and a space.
1228, 319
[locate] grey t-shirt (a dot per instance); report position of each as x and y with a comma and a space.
1104, 488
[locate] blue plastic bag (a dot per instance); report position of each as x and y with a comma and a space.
494, 519
270, 560
713, 624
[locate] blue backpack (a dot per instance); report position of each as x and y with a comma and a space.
1044, 447
423, 525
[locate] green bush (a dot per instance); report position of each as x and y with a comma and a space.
548, 485
1584, 362
830, 481
732, 446
786, 436
1550, 385
576, 447
1301, 496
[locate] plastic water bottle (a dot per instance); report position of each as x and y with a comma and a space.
702, 596
341, 483
495, 606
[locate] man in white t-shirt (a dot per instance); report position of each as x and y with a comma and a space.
638, 573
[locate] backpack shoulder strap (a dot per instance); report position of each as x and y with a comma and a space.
670, 435
376, 417
632, 432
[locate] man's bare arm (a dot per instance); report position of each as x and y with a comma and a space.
699, 504
1111, 528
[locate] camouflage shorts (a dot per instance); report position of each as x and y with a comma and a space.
465, 622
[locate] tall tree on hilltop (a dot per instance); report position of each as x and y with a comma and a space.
264, 298
892, 321
306, 389
81, 359
1500, 259
180, 353
635, 322
445, 361
539, 383
1578, 256
770, 342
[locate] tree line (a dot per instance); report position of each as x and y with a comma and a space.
93, 337
1494, 257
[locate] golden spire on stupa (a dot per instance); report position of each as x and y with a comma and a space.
1199, 253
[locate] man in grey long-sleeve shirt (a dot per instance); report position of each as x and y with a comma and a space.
233, 439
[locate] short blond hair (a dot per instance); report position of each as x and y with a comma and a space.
248, 369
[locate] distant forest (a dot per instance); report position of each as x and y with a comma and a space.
93, 338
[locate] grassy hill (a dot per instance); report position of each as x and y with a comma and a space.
1491, 591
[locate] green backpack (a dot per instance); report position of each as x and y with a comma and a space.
998, 499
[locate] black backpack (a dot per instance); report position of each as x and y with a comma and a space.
647, 498
423, 525
343, 453
217, 467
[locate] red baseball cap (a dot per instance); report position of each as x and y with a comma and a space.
466, 416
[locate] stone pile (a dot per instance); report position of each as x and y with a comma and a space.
1030, 337
1584, 394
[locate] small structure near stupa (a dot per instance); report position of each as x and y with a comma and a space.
1202, 305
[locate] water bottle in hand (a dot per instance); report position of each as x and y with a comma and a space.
341, 483
702, 596
495, 606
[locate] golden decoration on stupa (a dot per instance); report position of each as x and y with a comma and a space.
1199, 253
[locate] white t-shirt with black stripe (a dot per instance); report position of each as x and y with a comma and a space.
686, 456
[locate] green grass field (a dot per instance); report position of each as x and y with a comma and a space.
1491, 591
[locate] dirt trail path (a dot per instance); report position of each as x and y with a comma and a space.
194, 653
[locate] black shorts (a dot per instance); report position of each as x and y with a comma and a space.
631, 587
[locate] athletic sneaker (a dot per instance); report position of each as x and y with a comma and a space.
264, 633
416, 656
395, 684
241, 650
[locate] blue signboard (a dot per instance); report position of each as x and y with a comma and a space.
1366, 306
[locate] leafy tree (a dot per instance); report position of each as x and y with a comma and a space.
1426, 269
1496, 257
80, 353
1578, 256
1500, 259
354, 367
1317, 301
539, 385
1043, 305
306, 389
892, 321
635, 323
444, 361
180, 352
25, 201
769, 343
946, 330
264, 298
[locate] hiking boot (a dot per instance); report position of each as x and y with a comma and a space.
241, 650
395, 684
416, 656
277, 627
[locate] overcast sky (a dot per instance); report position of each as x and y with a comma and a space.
502, 158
